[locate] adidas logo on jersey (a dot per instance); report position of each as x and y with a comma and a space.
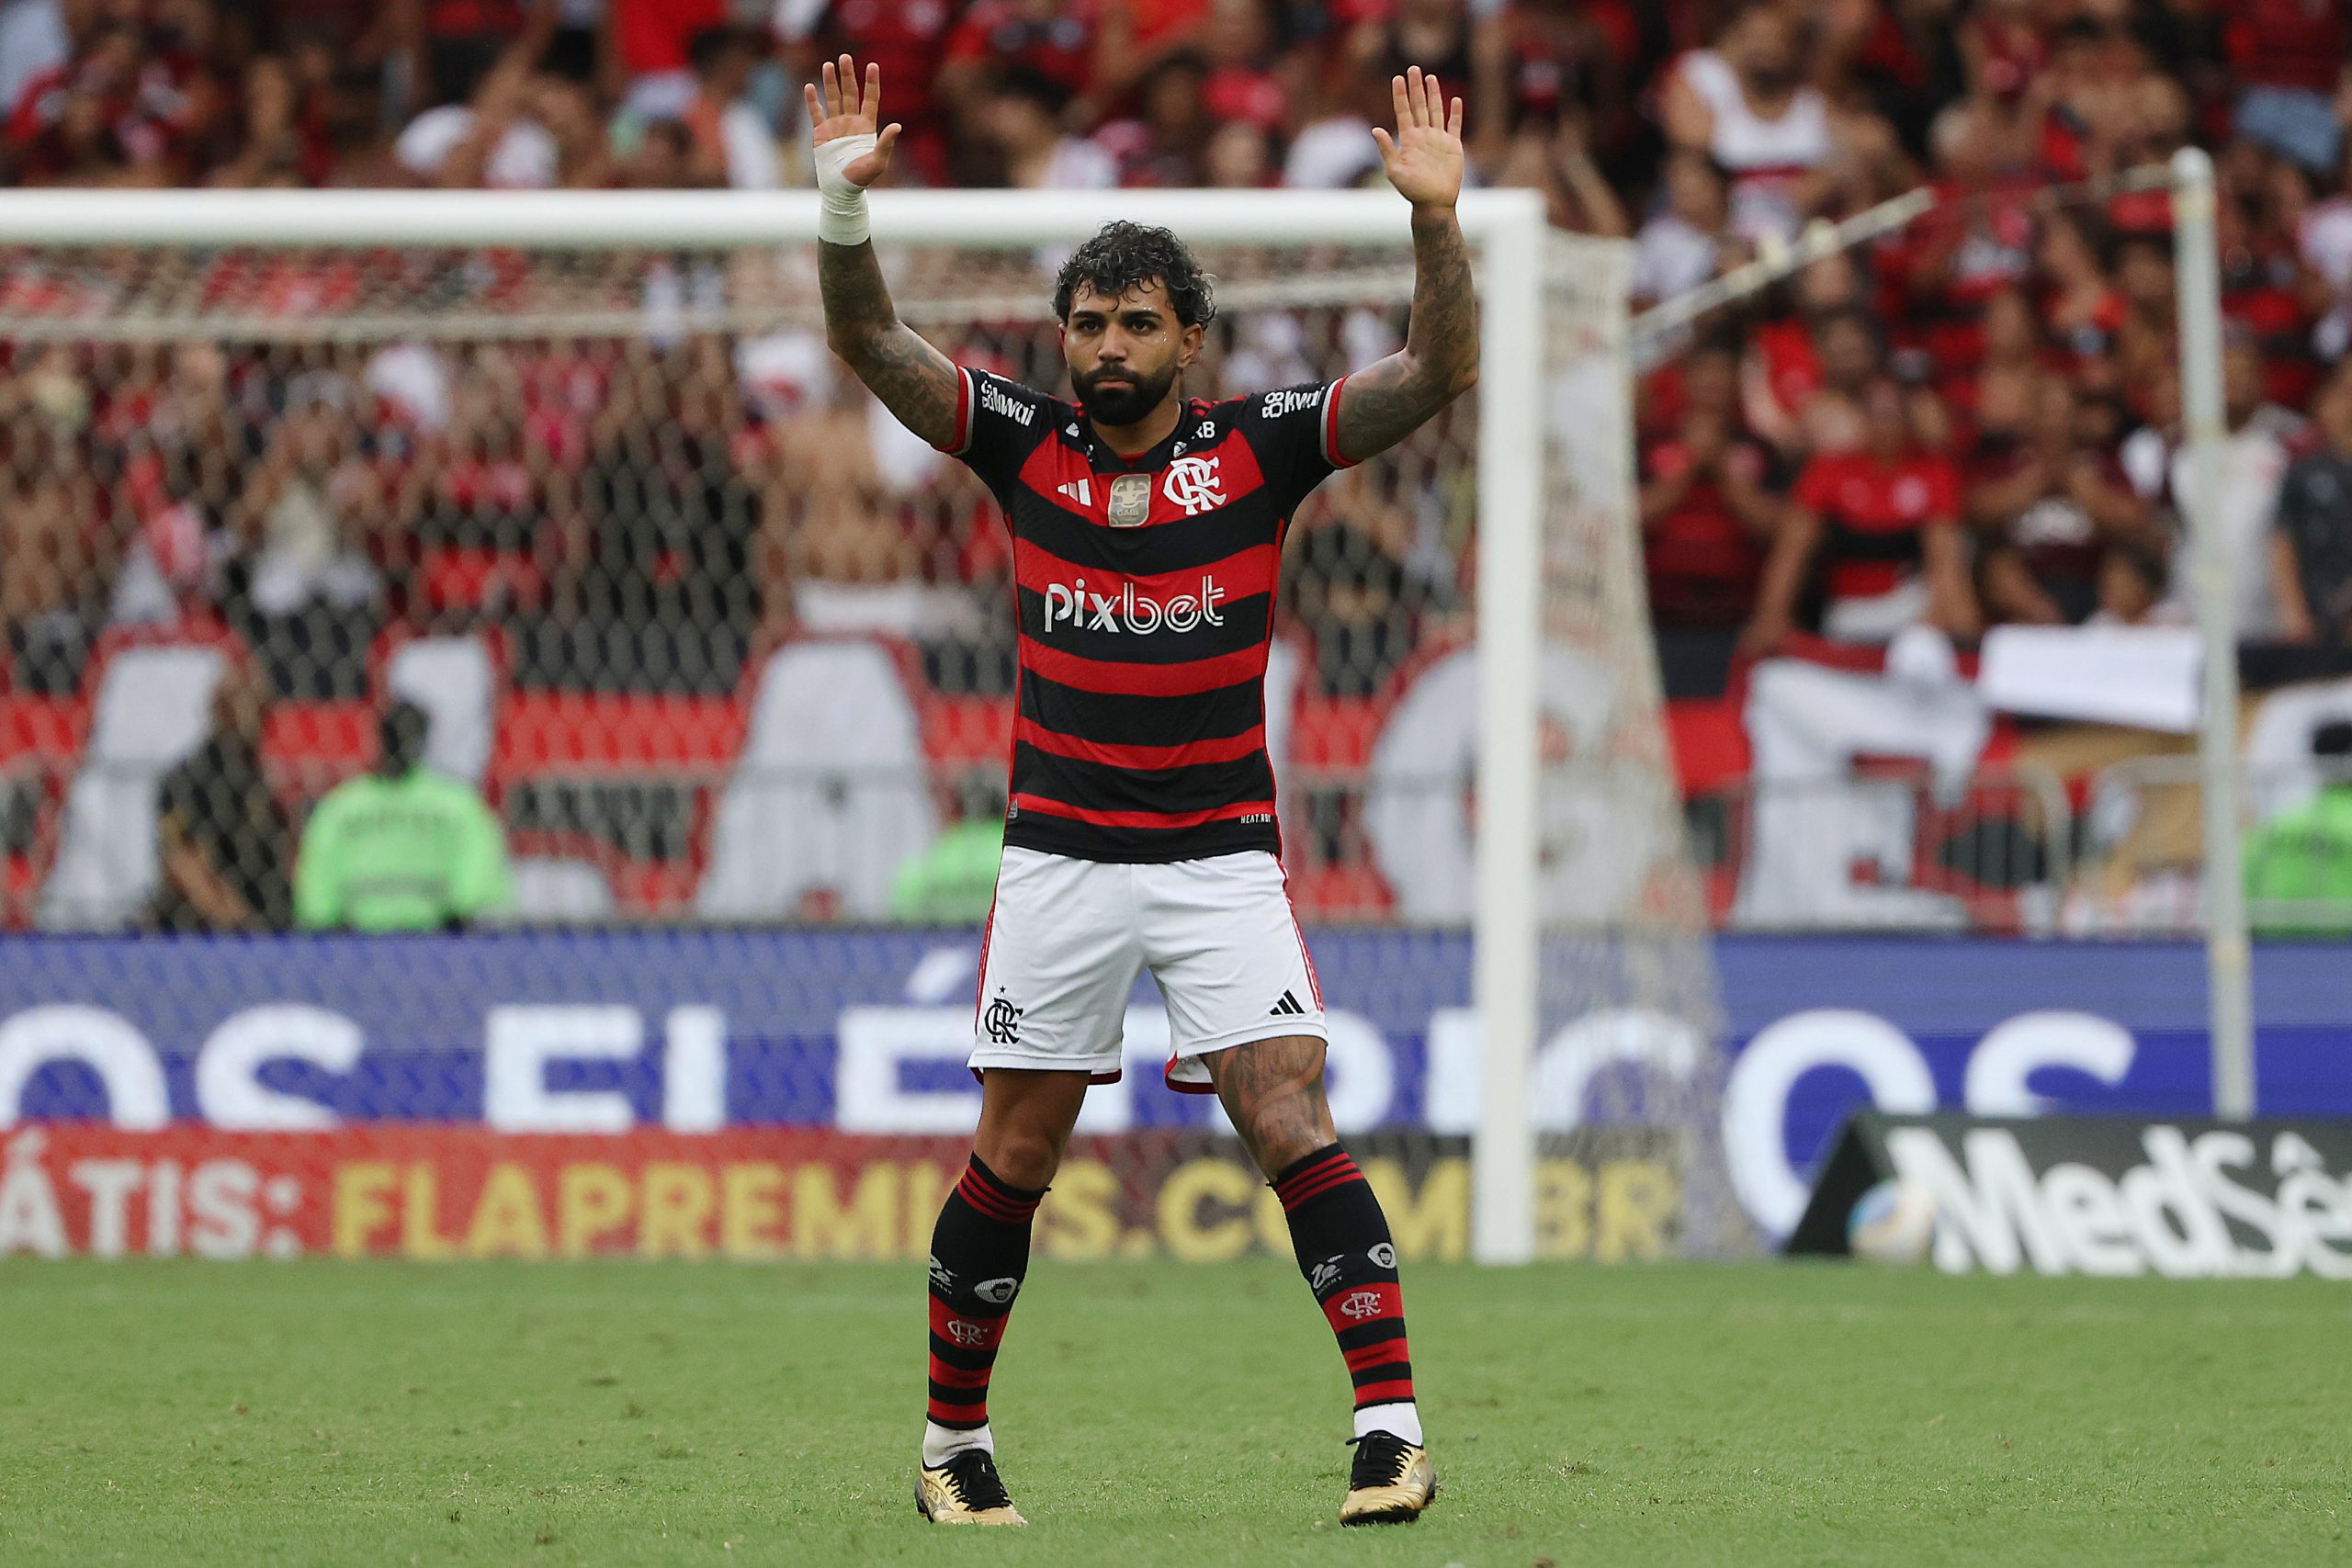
1079, 490
1288, 1007
1128, 610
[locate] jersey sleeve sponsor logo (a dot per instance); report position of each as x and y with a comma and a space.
1277, 405
993, 400
1193, 484
1075, 605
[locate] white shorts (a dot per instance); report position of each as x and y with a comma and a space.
1068, 938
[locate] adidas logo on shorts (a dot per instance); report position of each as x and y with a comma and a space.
1288, 1007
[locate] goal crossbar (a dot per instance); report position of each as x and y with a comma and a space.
604, 221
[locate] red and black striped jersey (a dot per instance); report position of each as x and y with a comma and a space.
1144, 602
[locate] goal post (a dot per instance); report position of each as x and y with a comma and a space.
1582, 911
2229, 966
1504, 931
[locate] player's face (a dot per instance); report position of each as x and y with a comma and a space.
1125, 354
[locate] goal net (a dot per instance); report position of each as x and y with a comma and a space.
728, 655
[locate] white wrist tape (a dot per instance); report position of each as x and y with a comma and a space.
840, 221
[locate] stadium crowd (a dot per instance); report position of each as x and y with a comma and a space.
1970, 423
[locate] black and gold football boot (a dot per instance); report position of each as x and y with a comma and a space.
967, 1490
1390, 1483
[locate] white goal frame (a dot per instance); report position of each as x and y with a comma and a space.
1507, 229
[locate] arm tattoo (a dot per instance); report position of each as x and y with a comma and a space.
1274, 1091
1385, 402
914, 381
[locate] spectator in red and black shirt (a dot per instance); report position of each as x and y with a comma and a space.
2310, 546
1707, 516
2048, 503
118, 114
1052, 37
1879, 530
1163, 146
456, 43
2081, 310
1957, 257
2288, 56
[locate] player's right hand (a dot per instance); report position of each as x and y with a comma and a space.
843, 110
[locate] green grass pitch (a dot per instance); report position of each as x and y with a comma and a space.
1163, 1414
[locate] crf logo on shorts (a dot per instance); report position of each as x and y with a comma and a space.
1192, 483
1363, 1303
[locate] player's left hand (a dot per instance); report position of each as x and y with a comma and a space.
1424, 158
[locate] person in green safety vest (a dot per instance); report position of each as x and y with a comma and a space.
953, 881
2301, 861
399, 848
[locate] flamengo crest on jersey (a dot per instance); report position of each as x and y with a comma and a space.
1143, 592
1192, 483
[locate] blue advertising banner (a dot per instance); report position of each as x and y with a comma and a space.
864, 1032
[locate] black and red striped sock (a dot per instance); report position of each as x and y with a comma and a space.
979, 1253
1349, 1262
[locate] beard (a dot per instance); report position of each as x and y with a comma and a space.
1123, 405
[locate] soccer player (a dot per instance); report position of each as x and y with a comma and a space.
1146, 537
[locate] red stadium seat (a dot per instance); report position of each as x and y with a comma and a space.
582, 733
1709, 744
1334, 735
608, 740
1345, 890
965, 733
45, 729
308, 748
457, 577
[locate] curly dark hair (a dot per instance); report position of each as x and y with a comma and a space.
1127, 255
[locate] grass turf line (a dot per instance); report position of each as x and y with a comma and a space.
1163, 1413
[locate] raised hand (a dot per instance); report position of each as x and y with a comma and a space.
844, 111
1424, 158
